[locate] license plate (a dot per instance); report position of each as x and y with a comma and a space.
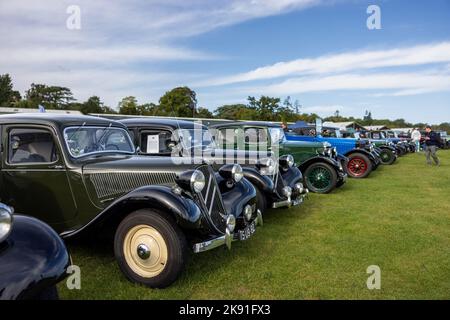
248, 231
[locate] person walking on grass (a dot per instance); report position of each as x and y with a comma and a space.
431, 145
416, 136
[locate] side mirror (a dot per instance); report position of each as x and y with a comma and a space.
138, 149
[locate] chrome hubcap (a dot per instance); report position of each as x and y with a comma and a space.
143, 252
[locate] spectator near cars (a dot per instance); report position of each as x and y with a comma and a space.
416, 136
432, 141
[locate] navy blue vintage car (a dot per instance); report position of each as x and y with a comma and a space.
33, 258
362, 157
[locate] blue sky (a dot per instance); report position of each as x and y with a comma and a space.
318, 52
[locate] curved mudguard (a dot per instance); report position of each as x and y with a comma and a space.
292, 176
184, 210
33, 258
242, 194
261, 182
323, 159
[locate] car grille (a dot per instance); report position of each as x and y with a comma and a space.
278, 182
211, 199
108, 184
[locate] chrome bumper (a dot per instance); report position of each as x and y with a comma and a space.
291, 202
226, 239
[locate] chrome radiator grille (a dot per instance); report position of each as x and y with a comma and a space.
278, 182
212, 198
107, 184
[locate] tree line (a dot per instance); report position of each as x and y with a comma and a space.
179, 102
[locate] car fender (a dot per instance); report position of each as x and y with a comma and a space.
292, 176
260, 181
32, 258
242, 194
181, 208
317, 159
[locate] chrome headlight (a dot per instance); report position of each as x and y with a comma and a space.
192, 180
299, 187
6, 221
231, 172
286, 161
266, 166
287, 191
231, 223
248, 212
237, 173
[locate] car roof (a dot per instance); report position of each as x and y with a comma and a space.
161, 123
247, 123
58, 120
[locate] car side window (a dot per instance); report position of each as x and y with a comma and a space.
155, 142
255, 136
31, 146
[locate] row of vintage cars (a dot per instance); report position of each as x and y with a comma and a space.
159, 188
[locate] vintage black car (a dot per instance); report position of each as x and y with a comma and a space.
277, 185
80, 174
33, 258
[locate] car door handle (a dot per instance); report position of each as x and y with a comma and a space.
57, 166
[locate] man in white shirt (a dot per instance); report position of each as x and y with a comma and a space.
416, 136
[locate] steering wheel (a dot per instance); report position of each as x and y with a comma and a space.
111, 146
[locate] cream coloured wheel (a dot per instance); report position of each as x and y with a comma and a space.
145, 251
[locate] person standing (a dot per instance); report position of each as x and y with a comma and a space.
431, 145
416, 136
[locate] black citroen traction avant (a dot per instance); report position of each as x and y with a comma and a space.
33, 258
278, 182
81, 174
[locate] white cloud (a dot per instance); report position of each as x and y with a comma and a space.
402, 83
361, 60
121, 44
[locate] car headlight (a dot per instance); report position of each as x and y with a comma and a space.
287, 191
6, 221
266, 166
248, 212
286, 161
232, 172
231, 222
192, 180
299, 187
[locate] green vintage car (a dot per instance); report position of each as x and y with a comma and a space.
322, 172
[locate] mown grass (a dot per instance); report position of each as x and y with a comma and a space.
398, 219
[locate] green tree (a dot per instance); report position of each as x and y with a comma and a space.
128, 105
178, 102
203, 113
92, 105
235, 112
8, 96
51, 97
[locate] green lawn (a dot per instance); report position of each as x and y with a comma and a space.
398, 219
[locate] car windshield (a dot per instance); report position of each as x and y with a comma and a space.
82, 141
194, 138
276, 135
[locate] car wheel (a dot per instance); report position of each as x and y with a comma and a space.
150, 248
387, 157
50, 293
261, 201
320, 177
359, 165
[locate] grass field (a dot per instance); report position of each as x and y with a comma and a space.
398, 219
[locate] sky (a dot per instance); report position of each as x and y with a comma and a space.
318, 52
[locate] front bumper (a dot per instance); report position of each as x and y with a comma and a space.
229, 237
294, 200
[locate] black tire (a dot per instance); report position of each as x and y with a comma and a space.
363, 157
387, 157
261, 201
332, 179
50, 293
174, 240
